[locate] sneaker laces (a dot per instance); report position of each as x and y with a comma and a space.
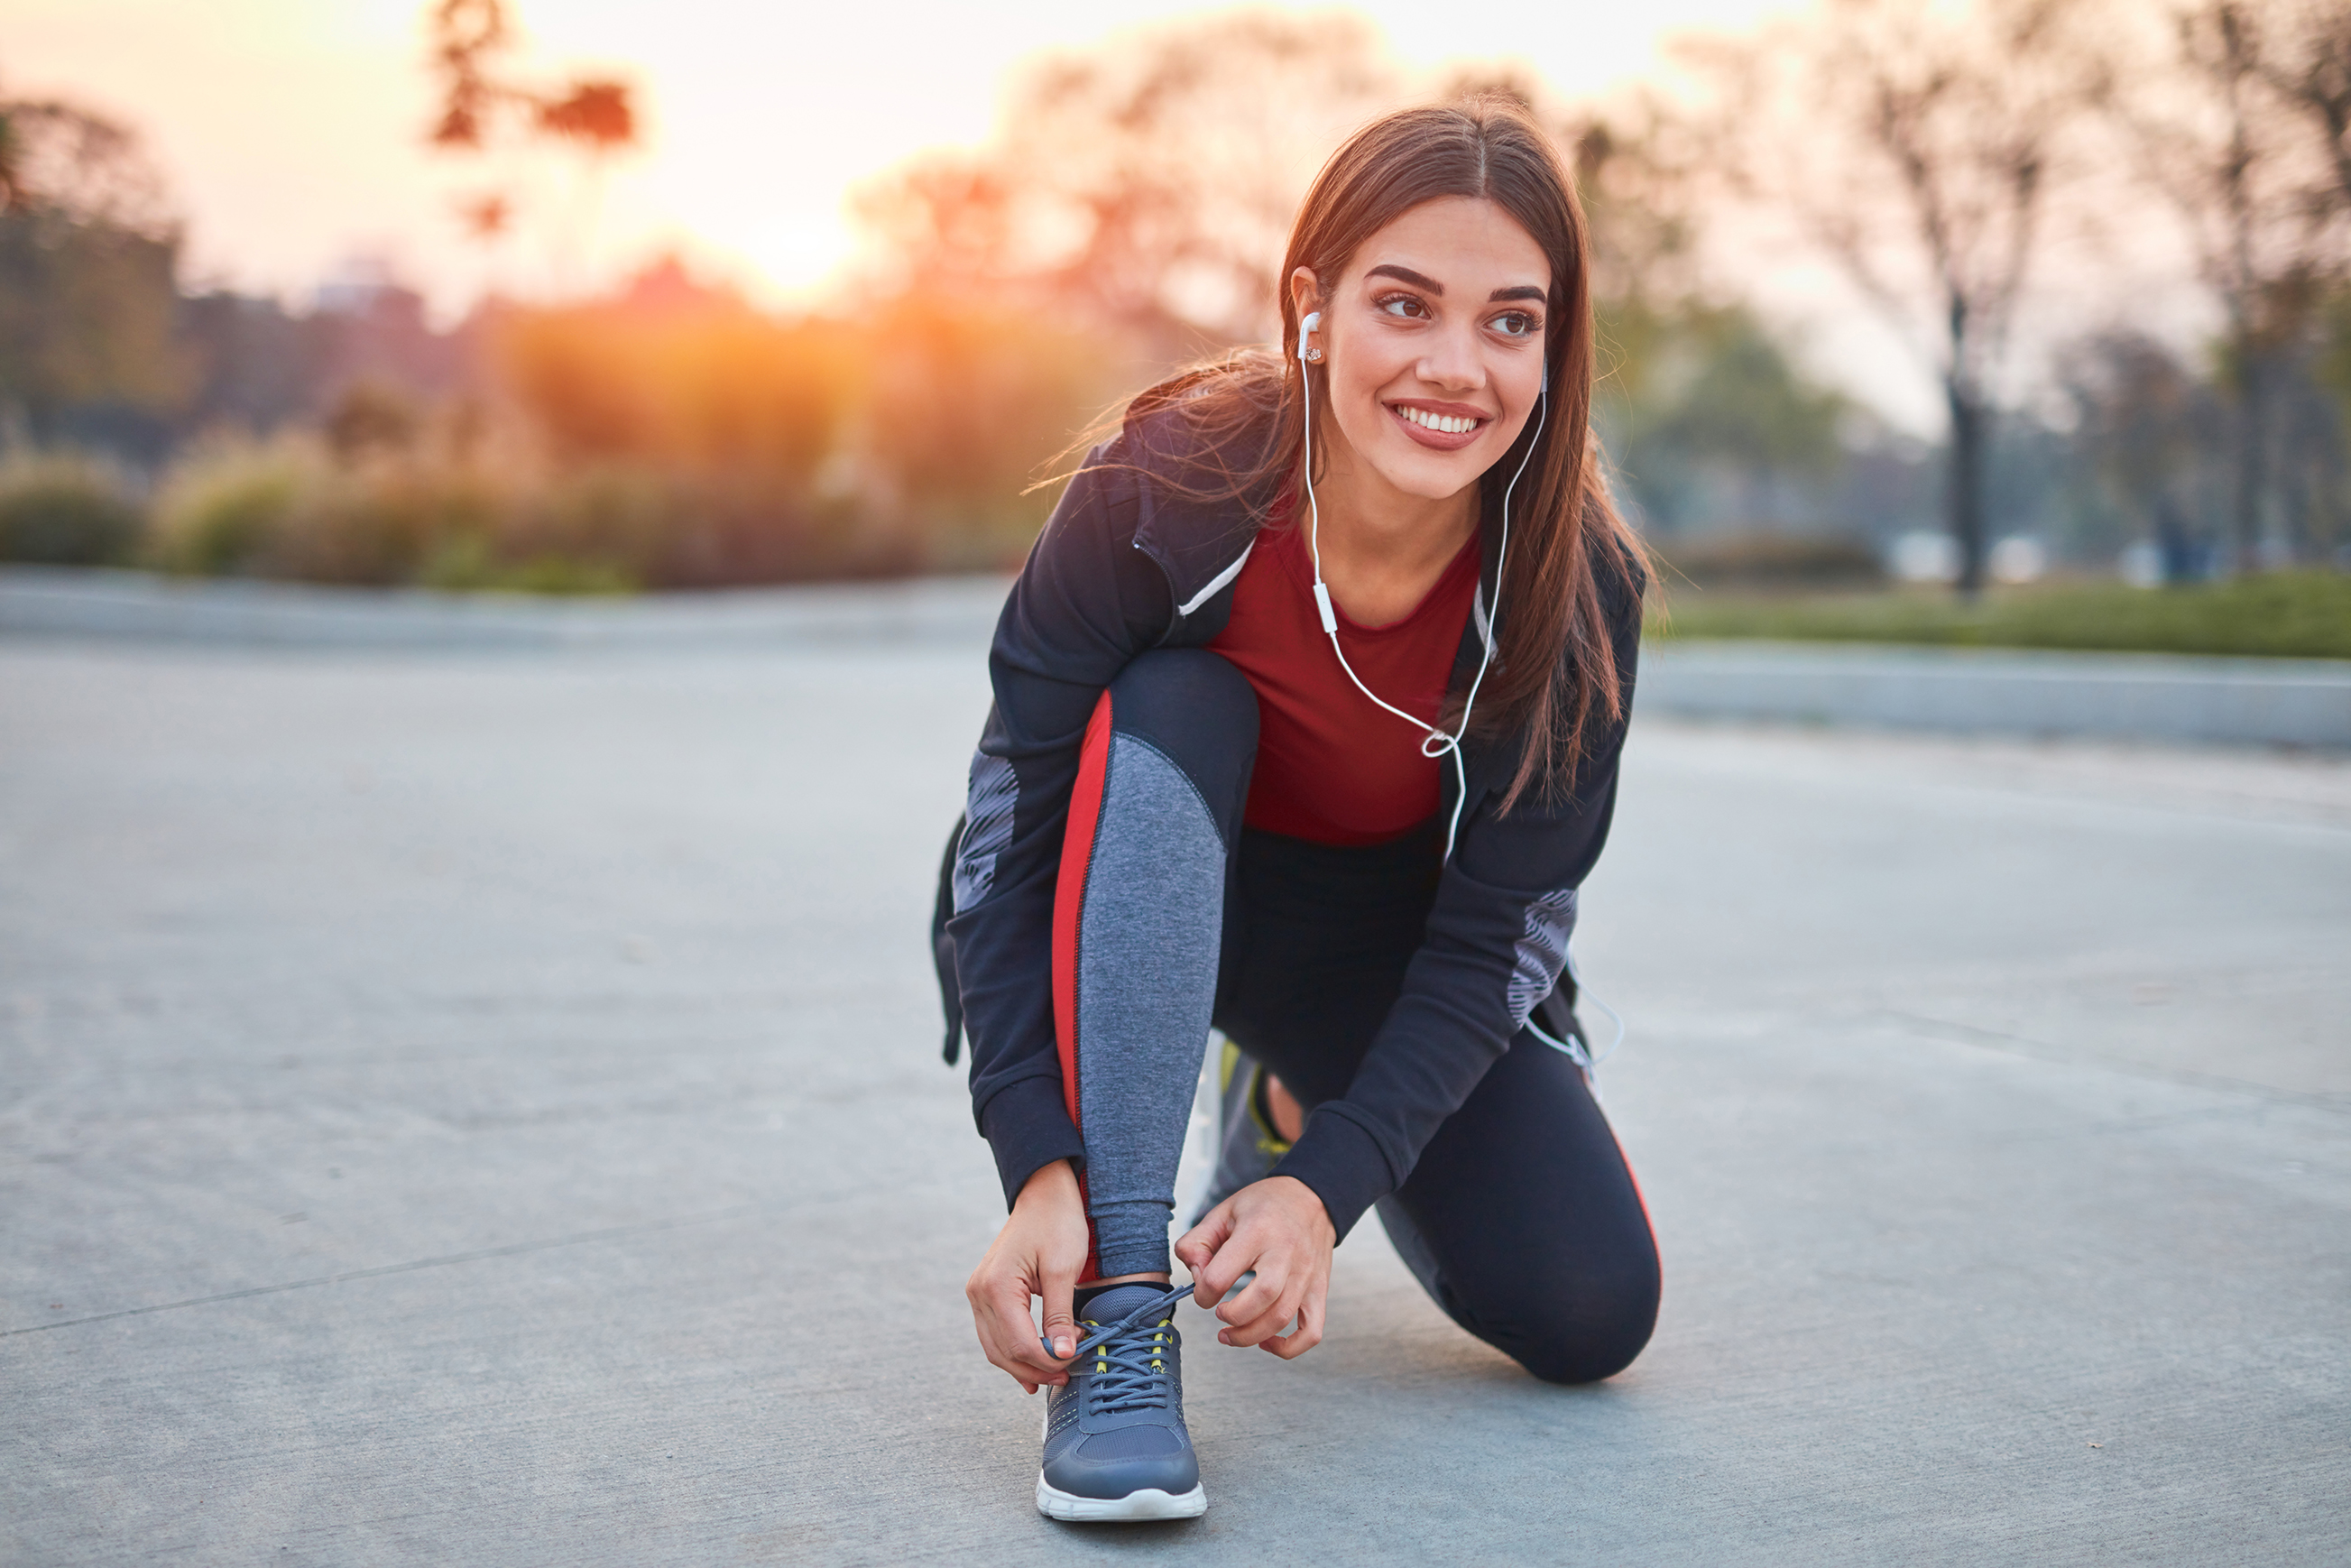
1129, 1370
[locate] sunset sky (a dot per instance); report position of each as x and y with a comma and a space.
291, 130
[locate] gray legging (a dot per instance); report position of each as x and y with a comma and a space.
1521, 1218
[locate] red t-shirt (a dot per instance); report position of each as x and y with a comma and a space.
1331, 766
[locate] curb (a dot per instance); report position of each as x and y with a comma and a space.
1962, 691
113, 605
2015, 692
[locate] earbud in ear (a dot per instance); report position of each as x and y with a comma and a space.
1313, 320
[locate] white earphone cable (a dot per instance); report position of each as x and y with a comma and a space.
1435, 742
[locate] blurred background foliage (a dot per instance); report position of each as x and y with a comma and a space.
1129, 216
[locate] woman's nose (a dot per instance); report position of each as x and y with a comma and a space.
1453, 361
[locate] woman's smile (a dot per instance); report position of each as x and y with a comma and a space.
1440, 427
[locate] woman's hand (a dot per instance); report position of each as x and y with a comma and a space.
1039, 1252
1278, 1227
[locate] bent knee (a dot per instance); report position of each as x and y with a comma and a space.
1166, 685
1592, 1330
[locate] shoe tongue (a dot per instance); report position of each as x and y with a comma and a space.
1119, 1300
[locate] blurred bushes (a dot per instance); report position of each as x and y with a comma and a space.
2285, 614
290, 508
66, 509
1773, 560
225, 506
700, 383
670, 436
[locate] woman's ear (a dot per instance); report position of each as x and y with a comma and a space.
1305, 293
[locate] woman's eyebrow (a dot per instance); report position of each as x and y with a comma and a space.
1422, 281
1407, 275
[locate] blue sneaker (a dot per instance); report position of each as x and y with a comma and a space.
1115, 1447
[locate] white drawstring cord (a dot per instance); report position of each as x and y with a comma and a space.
1434, 742
1576, 1049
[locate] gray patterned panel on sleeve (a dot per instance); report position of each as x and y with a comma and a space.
987, 827
1541, 951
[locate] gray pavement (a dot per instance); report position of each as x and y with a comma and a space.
484, 1107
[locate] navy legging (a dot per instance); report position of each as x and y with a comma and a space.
1521, 1218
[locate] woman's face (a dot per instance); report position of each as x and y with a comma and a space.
1433, 343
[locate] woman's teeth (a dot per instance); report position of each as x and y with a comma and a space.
1438, 422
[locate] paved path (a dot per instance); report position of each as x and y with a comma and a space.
483, 1108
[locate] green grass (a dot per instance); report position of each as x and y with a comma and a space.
2296, 614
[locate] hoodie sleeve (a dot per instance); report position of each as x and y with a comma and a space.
1495, 943
1086, 603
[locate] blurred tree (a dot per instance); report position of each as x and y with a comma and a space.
1915, 144
88, 258
2144, 423
1703, 410
1148, 185
2229, 114
596, 115
1637, 164
2308, 63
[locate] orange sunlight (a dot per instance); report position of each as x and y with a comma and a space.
292, 132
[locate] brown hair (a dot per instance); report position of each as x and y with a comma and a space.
1565, 529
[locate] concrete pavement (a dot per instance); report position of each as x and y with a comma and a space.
484, 1107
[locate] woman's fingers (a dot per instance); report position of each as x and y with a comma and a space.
1279, 1231
1260, 1296
1061, 1322
1196, 1249
1039, 1252
1308, 1333
1256, 1319
991, 1344
1008, 1334
1018, 1331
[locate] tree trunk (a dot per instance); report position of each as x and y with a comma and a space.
2171, 538
1964, 497
2253, 459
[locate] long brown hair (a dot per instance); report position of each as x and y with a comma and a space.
1246, 410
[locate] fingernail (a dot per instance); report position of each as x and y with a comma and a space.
1061, 1348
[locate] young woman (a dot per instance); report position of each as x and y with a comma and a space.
1308, 707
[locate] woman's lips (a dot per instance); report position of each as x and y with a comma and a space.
1438, 440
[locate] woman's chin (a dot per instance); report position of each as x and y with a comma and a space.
1431, 476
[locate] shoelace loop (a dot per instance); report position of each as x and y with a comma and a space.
1130, 1356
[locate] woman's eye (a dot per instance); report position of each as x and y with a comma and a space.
1516, 324
1403, 305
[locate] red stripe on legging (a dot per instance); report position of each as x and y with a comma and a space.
1069, 906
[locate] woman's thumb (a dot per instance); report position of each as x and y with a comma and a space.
1060, 1325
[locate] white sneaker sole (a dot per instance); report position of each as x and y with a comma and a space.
1148, 1503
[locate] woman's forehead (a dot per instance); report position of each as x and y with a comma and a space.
1459, 242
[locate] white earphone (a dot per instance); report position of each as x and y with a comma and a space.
1433, 741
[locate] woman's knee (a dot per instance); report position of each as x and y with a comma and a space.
1592, 1327
1194, 708
1183, 693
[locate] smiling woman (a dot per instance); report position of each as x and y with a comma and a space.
1307, 708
